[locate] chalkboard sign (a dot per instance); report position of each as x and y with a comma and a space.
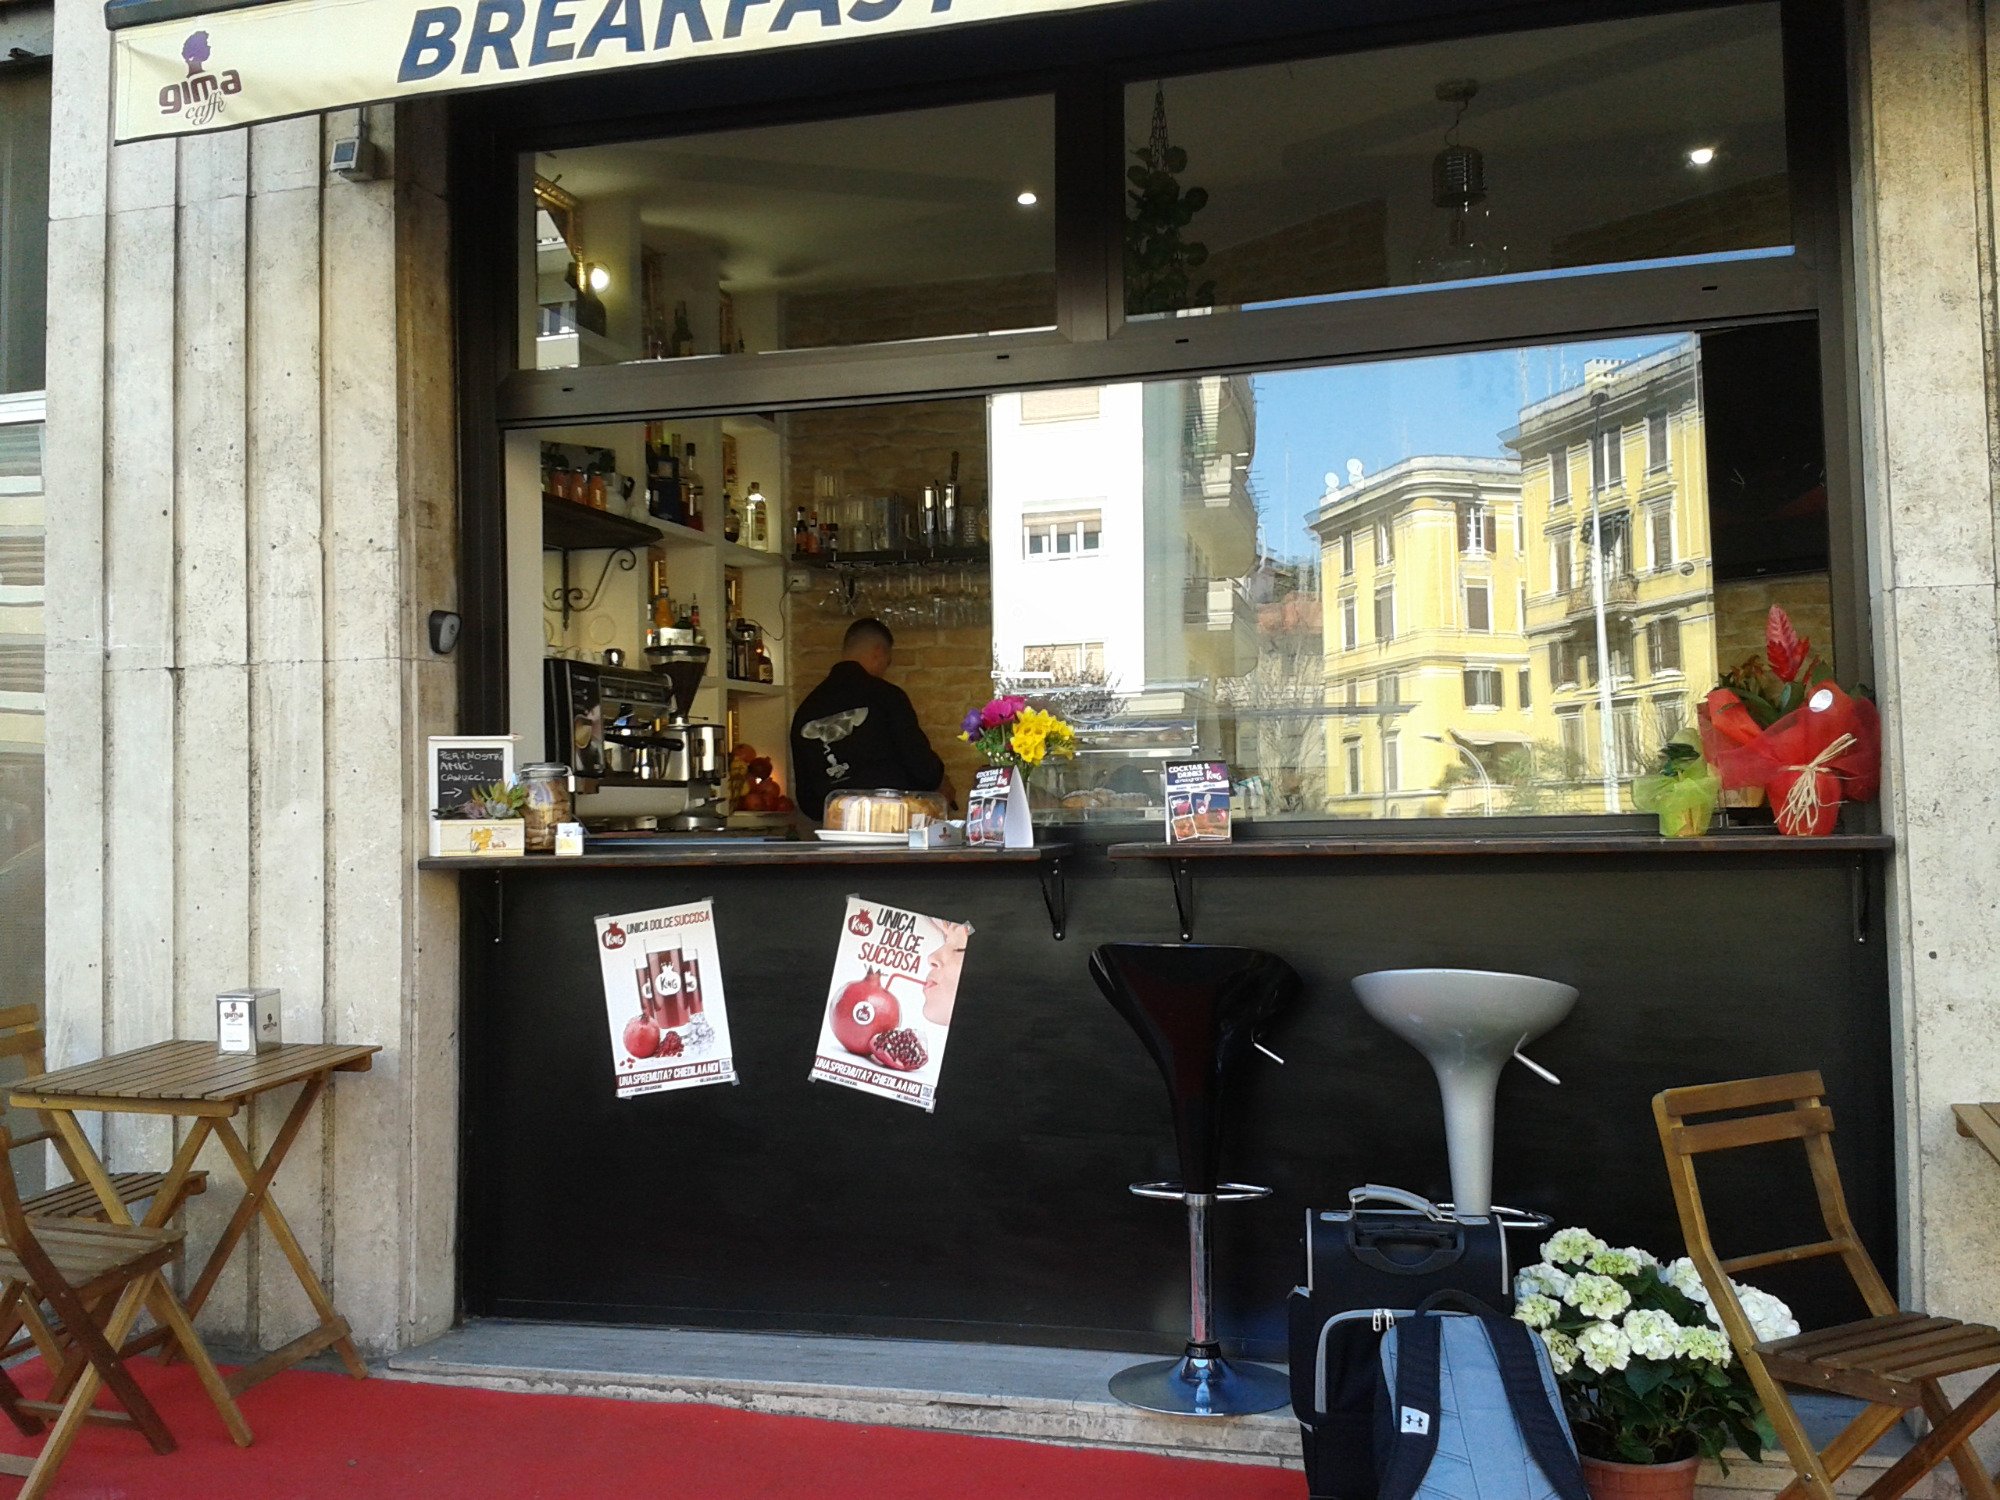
463, 763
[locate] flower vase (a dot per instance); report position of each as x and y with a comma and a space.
1614, 1481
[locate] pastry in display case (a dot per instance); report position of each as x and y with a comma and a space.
880, 816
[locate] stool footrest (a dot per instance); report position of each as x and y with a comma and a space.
1174, 1192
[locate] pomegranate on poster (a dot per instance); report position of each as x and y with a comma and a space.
642, 1037
863, 1011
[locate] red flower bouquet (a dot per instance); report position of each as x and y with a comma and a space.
1792, 731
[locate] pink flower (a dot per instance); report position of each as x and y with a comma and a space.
1002, 711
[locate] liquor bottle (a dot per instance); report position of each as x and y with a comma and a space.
799, 533
930, 516
831, 544
812, 533
683, 334
948, 508
756, 519
732, 520
691, 490
694, 614
595, 490
764, 669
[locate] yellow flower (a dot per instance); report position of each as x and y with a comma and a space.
1028, 742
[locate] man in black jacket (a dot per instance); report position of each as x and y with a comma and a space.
857, 731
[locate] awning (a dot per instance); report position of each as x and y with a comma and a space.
184, 67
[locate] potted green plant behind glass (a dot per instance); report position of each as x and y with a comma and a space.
1683, 792
1648, 1379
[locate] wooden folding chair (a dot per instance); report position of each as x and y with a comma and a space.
74, 1267
21, 1036
1892, 1359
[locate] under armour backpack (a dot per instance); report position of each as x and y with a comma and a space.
1467, 1409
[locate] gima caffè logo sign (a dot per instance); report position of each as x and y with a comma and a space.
197, 98
306, 56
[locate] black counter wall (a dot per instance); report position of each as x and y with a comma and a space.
779, 1204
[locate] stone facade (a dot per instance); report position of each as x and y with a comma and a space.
251, 455
1923, 220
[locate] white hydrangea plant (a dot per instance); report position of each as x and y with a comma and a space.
1646, 1373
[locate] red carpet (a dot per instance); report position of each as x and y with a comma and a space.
326, 1436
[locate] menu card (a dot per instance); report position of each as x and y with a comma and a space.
1197, 802
996, 813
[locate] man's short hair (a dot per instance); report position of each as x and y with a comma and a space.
865, 635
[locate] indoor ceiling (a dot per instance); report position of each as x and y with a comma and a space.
1579, 126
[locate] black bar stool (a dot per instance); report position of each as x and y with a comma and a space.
1197, 1008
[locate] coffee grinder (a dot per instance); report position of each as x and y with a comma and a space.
678, 655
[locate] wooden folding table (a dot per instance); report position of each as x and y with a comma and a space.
193, 1080
1982, 1123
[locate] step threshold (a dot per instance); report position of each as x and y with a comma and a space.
992, 1390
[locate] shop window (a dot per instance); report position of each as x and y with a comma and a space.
1559, 477
1663, 645
1332, 176
22, 716
1482, 687
1385, 614
875, 229
24, 225
1066, 663
1478, 607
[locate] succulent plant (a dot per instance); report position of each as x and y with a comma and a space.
493, 804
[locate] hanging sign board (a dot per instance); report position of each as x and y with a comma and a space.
888, 1012
663, 997
296, 57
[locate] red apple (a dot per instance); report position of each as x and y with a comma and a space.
862, 1012
642, 1037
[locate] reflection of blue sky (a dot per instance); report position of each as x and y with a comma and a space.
1311, 422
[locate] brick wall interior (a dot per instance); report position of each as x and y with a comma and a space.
894, 450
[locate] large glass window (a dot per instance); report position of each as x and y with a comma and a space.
882, 228
24, 224
21, 718
1462, 159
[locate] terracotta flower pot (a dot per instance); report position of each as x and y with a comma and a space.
1609, 1481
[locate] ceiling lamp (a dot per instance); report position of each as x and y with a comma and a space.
1701, 156
1458, 183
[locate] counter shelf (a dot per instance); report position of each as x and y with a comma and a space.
1047, 860
1181, 859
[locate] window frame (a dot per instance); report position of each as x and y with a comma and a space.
1085, 65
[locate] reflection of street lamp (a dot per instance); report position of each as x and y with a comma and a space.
1599, 470
1478, 765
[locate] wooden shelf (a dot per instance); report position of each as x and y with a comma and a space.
752, 689
569, 527
736, 555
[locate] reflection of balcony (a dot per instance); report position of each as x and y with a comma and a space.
1216, 508
1621, 592
1221, 625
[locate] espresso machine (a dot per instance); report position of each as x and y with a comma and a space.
639, 762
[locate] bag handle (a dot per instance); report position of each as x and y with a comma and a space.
1451, 1299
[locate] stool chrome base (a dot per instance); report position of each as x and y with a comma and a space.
1202, 1385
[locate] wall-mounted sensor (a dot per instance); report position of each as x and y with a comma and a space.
354, 158
444, 631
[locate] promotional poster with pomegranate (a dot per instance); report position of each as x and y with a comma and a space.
663, 995
888, 1012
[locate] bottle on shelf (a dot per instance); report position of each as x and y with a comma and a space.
813, 534
763, 661
691, 490
694, 614
929, 532
799, 548
756, 519
948, 508
595, 490
683, 333
732, 520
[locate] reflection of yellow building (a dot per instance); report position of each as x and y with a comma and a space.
1425, 650
1620, 457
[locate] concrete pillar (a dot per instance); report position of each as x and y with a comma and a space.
253, 508
1923, 206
